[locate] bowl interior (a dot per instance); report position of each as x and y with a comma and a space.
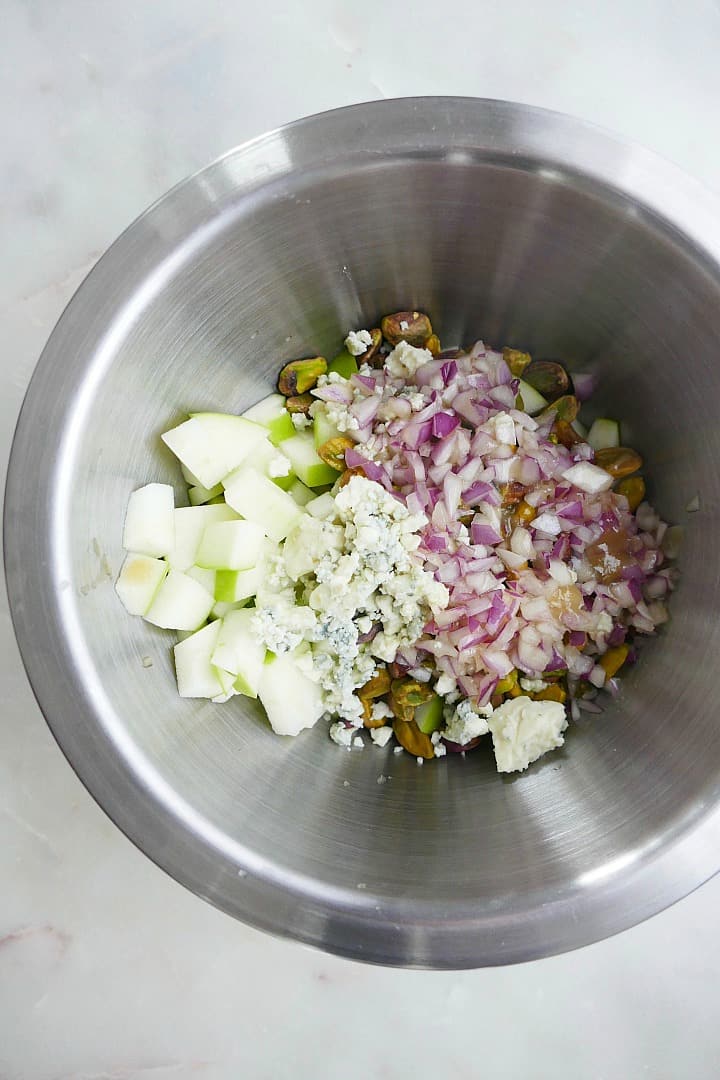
197, 307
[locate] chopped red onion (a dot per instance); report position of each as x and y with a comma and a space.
443, 424
583, 385
341, 393
365, 410
456, 454
363, 382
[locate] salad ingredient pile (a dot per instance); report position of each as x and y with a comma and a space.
422, 546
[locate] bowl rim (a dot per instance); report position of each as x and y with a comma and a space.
362, 927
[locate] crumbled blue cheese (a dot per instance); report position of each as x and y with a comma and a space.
337, 412
358, 341
415, 397
381, 736
533, 685
342, 735
404, 360
282, 627
300, 421
467, 723
445, 685
438, 745
381, 711
339, 415
523, 730
336, 579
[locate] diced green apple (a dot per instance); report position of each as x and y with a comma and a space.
149, 525
260, 500
323, 427
301, 493
240, 651
322, 506
211, 445
198, 495
234, 586
227, 681
204, 577
138, 581
271, 462
344, 364
190, 478
604, 434
230, 545
190, 524
533, 401
272, 414
306, 464
180, 603
429, 715
291, 699
196, 676
220, 609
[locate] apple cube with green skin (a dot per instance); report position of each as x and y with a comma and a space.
258, 499
301, 493
240, 651
220, 609
181, 603
604, 434
138, 581
269, 460
344, 364
306, 464
190, 525
196, 676
227, 681
205, 577
234, 586
533, 401
199, 495
272, 414
189, 477
322, 506
230, 545
211, 445
149, 524
291, 699
429, 715
323, 428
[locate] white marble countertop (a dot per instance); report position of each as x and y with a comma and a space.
108, 969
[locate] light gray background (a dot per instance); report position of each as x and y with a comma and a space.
108, 969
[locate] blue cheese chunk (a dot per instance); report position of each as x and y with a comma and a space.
523, 730
358, 341
467, 723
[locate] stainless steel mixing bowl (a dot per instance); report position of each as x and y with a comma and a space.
502, 221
